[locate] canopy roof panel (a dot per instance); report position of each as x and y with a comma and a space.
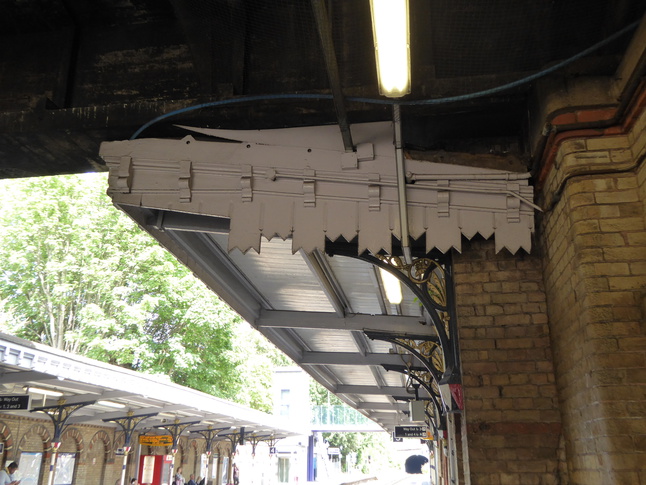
26, 364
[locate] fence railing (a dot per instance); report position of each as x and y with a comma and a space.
337, 415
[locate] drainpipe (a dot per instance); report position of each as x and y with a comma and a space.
401, 184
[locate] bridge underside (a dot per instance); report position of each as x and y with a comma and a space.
517, 227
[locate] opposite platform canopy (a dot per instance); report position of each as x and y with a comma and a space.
112, 392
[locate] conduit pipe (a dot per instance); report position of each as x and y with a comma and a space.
401, 184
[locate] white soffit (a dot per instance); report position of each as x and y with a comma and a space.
299, 183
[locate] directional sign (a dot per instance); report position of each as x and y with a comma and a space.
13, 403
156, 440
410, 432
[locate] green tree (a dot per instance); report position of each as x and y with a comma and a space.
373, 450
319, 395
256, 359
79, 275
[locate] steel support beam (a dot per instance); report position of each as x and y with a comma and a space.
349, 358
400, 325
384, 391
332, 68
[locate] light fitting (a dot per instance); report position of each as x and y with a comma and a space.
111, 404
44, 392
391, 35
392, 287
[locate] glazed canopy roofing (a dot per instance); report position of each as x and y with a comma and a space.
81, 380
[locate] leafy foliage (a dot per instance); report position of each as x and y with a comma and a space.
80, 276
372, 449
319, 395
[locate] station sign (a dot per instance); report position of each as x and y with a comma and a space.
14, 403
156, 440
272, 450
410, 432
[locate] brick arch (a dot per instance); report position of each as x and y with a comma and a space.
75, 435
219, 447
38, 430
182, 445
225, 447
6, 437
192, 456
107, 443
119, 440
99, 457
200, 446
100, 436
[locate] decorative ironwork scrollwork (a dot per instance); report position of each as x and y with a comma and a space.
425, 272
430, 279
429, 349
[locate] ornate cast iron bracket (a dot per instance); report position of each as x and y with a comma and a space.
254, 439
60, 413
236, 438
272, 440
209, 435
425, 348
431, 281
420, 376
427, 351
176, 429
128, 423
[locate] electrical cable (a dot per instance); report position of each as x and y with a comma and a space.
421, 102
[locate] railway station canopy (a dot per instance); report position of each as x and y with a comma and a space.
252, 139
297, 251
108, 393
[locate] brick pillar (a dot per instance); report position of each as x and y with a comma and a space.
511, 409
594, 242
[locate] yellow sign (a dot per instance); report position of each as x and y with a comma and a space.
156, 440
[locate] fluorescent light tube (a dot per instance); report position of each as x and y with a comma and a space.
392, 287
44, 392
391, 36
111, 404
